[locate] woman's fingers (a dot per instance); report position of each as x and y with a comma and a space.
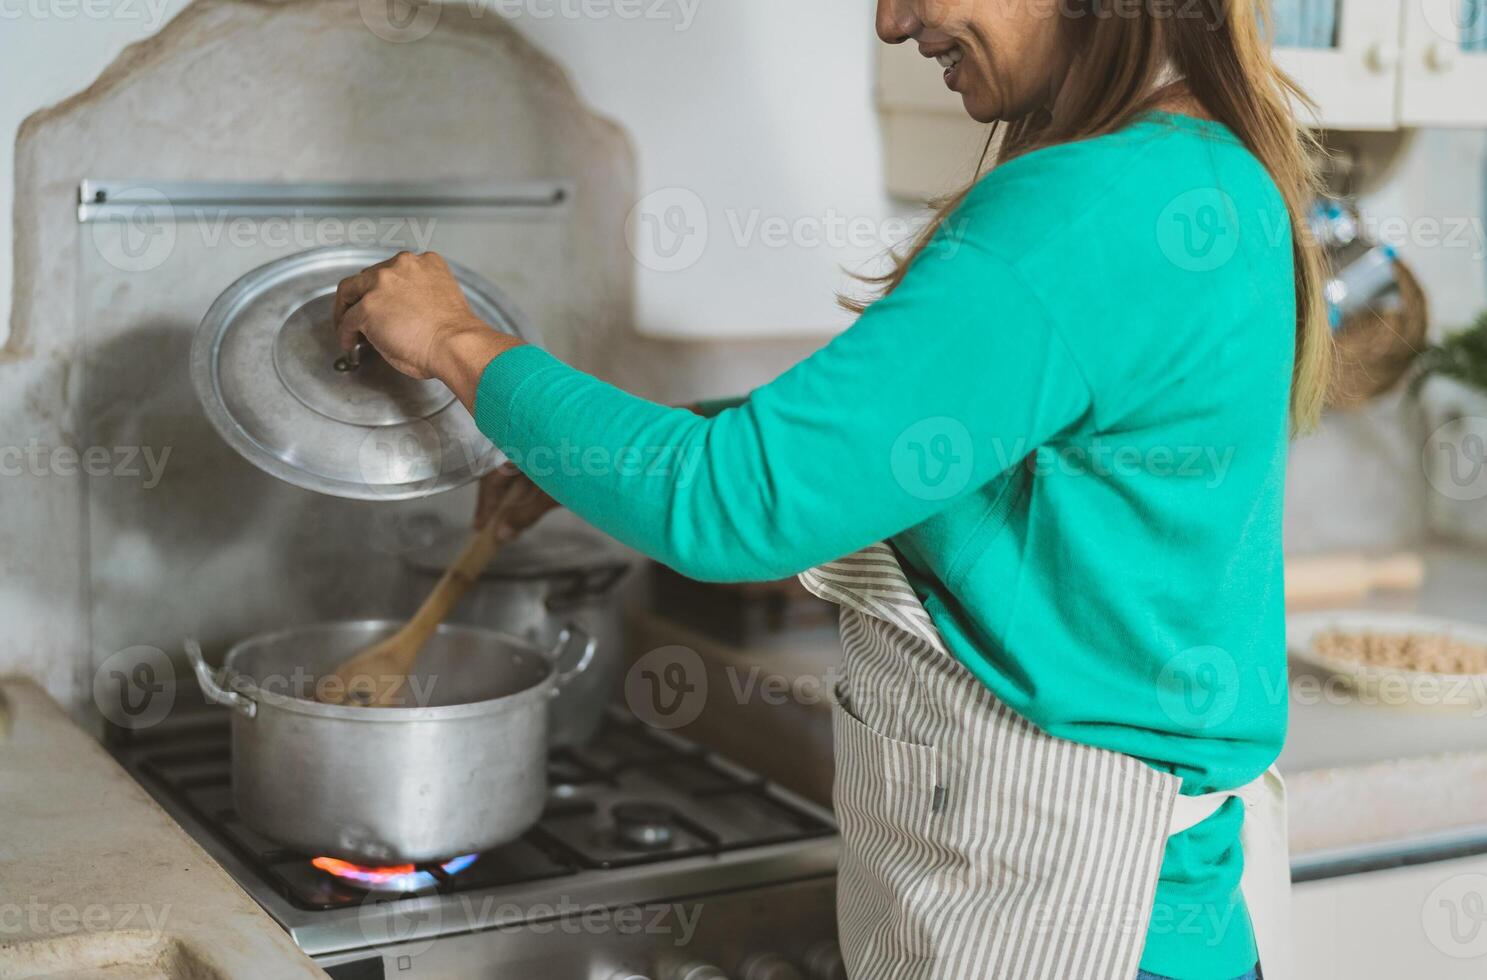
349, 292
348, 327
408, 308
491, 487
521, 502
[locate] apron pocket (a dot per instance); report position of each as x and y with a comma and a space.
886, 796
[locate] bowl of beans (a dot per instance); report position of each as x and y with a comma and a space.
1394, 659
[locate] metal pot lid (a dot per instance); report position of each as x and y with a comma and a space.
546, 551
273, 381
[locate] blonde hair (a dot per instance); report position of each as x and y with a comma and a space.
1216, 50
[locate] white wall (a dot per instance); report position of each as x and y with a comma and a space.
49, 50
760, 112
1432, 206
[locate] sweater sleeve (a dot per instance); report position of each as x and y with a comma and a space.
956, 376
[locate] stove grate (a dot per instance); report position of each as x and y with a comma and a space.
712, 808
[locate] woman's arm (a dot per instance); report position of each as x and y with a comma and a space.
937, 389
522, 503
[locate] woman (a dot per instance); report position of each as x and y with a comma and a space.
1067, 414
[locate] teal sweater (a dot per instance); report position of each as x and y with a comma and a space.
1071, 419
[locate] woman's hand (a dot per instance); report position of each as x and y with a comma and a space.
519, 501
411, 309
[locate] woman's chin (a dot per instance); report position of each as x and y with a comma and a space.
981, 109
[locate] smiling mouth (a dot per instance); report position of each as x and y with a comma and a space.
950, 58
950, 61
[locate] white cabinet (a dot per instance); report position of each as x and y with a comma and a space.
1398, 64
1443, 75
1354, 79
1423, 922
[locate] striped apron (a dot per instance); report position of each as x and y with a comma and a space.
974, 845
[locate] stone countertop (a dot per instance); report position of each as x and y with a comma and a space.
97, 881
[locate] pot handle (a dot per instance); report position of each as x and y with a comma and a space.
578, 587
569, 634
214, 691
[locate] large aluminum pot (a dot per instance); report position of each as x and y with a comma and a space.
461, 769
552, 577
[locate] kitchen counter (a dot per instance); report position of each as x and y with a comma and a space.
1330, 729
1370, 777
1364, 779
96, 881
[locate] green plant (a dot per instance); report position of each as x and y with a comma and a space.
1462, 356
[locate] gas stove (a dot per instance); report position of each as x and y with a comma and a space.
654, 860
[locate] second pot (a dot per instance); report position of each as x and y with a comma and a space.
550, 577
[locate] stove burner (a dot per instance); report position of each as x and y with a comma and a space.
643, 826
630, 798
394, 878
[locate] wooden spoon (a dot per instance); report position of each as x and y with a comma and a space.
374, 677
